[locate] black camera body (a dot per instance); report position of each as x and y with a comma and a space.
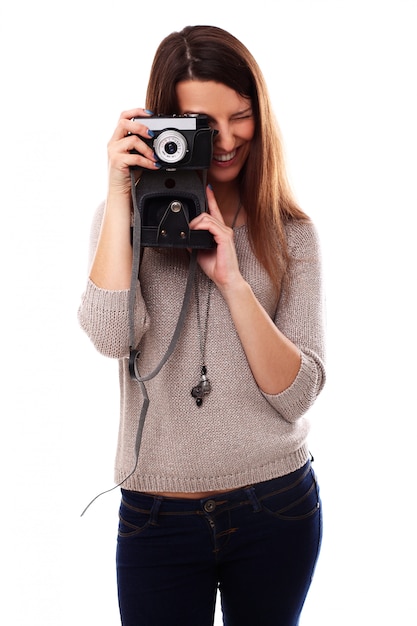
169, 198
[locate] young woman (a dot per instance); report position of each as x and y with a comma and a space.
222, 494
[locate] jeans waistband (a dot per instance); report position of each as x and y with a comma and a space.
243, 495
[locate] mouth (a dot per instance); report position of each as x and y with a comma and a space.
224, 158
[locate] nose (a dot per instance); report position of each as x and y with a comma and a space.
224, 139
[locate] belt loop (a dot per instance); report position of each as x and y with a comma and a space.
155, 510
253, 498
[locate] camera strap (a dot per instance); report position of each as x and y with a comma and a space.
133, 353
137, 249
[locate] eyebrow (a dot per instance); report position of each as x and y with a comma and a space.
238, 114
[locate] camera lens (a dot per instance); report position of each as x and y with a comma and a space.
170, 146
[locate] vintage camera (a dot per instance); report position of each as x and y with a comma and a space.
168, 199
180, 141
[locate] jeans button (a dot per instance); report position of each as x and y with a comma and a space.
209, 506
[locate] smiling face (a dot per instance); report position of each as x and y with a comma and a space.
230, 114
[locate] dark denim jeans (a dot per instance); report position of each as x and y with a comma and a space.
258, 544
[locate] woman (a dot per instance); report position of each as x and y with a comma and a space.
222, 493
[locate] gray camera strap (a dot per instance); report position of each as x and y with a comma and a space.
137, 252
134, 354
137, 249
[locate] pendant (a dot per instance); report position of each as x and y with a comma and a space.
203, 388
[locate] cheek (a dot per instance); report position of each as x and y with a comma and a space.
247, 136
249, 131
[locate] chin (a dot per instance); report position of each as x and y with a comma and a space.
219, 175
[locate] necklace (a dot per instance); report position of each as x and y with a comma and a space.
203, 388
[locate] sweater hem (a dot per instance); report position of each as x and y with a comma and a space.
187, 484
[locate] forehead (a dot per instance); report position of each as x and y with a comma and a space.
212, 98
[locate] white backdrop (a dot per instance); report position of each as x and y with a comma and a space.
342, 76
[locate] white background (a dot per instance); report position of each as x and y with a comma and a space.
342, 77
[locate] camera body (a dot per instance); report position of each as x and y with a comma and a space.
180, 141
169, 198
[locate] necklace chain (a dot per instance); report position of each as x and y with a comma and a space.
202, 330
204, 386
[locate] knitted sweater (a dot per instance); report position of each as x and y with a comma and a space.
240, 435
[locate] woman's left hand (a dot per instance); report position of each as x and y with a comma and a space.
220, 264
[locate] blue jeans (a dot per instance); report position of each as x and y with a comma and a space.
258, 545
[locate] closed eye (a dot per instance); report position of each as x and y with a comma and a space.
243, 115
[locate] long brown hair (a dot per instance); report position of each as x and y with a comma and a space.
209, 53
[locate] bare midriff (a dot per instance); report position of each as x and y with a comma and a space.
194, 495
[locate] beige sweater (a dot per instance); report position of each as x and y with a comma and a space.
239, 435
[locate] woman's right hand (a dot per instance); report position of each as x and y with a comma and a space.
112, 262
128, 136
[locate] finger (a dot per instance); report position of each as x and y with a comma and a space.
131, 137
127, 126
133, 143
131, 151
128, 115
212, 204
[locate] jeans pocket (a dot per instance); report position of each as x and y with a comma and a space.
132, 519
297, 501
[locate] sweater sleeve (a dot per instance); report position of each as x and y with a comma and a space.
300, 317
104, 314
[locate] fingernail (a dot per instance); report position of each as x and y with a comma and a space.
209, 186
151, 133
148, 112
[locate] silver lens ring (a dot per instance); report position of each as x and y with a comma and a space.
170, 146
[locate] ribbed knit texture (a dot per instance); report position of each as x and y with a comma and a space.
239, 435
